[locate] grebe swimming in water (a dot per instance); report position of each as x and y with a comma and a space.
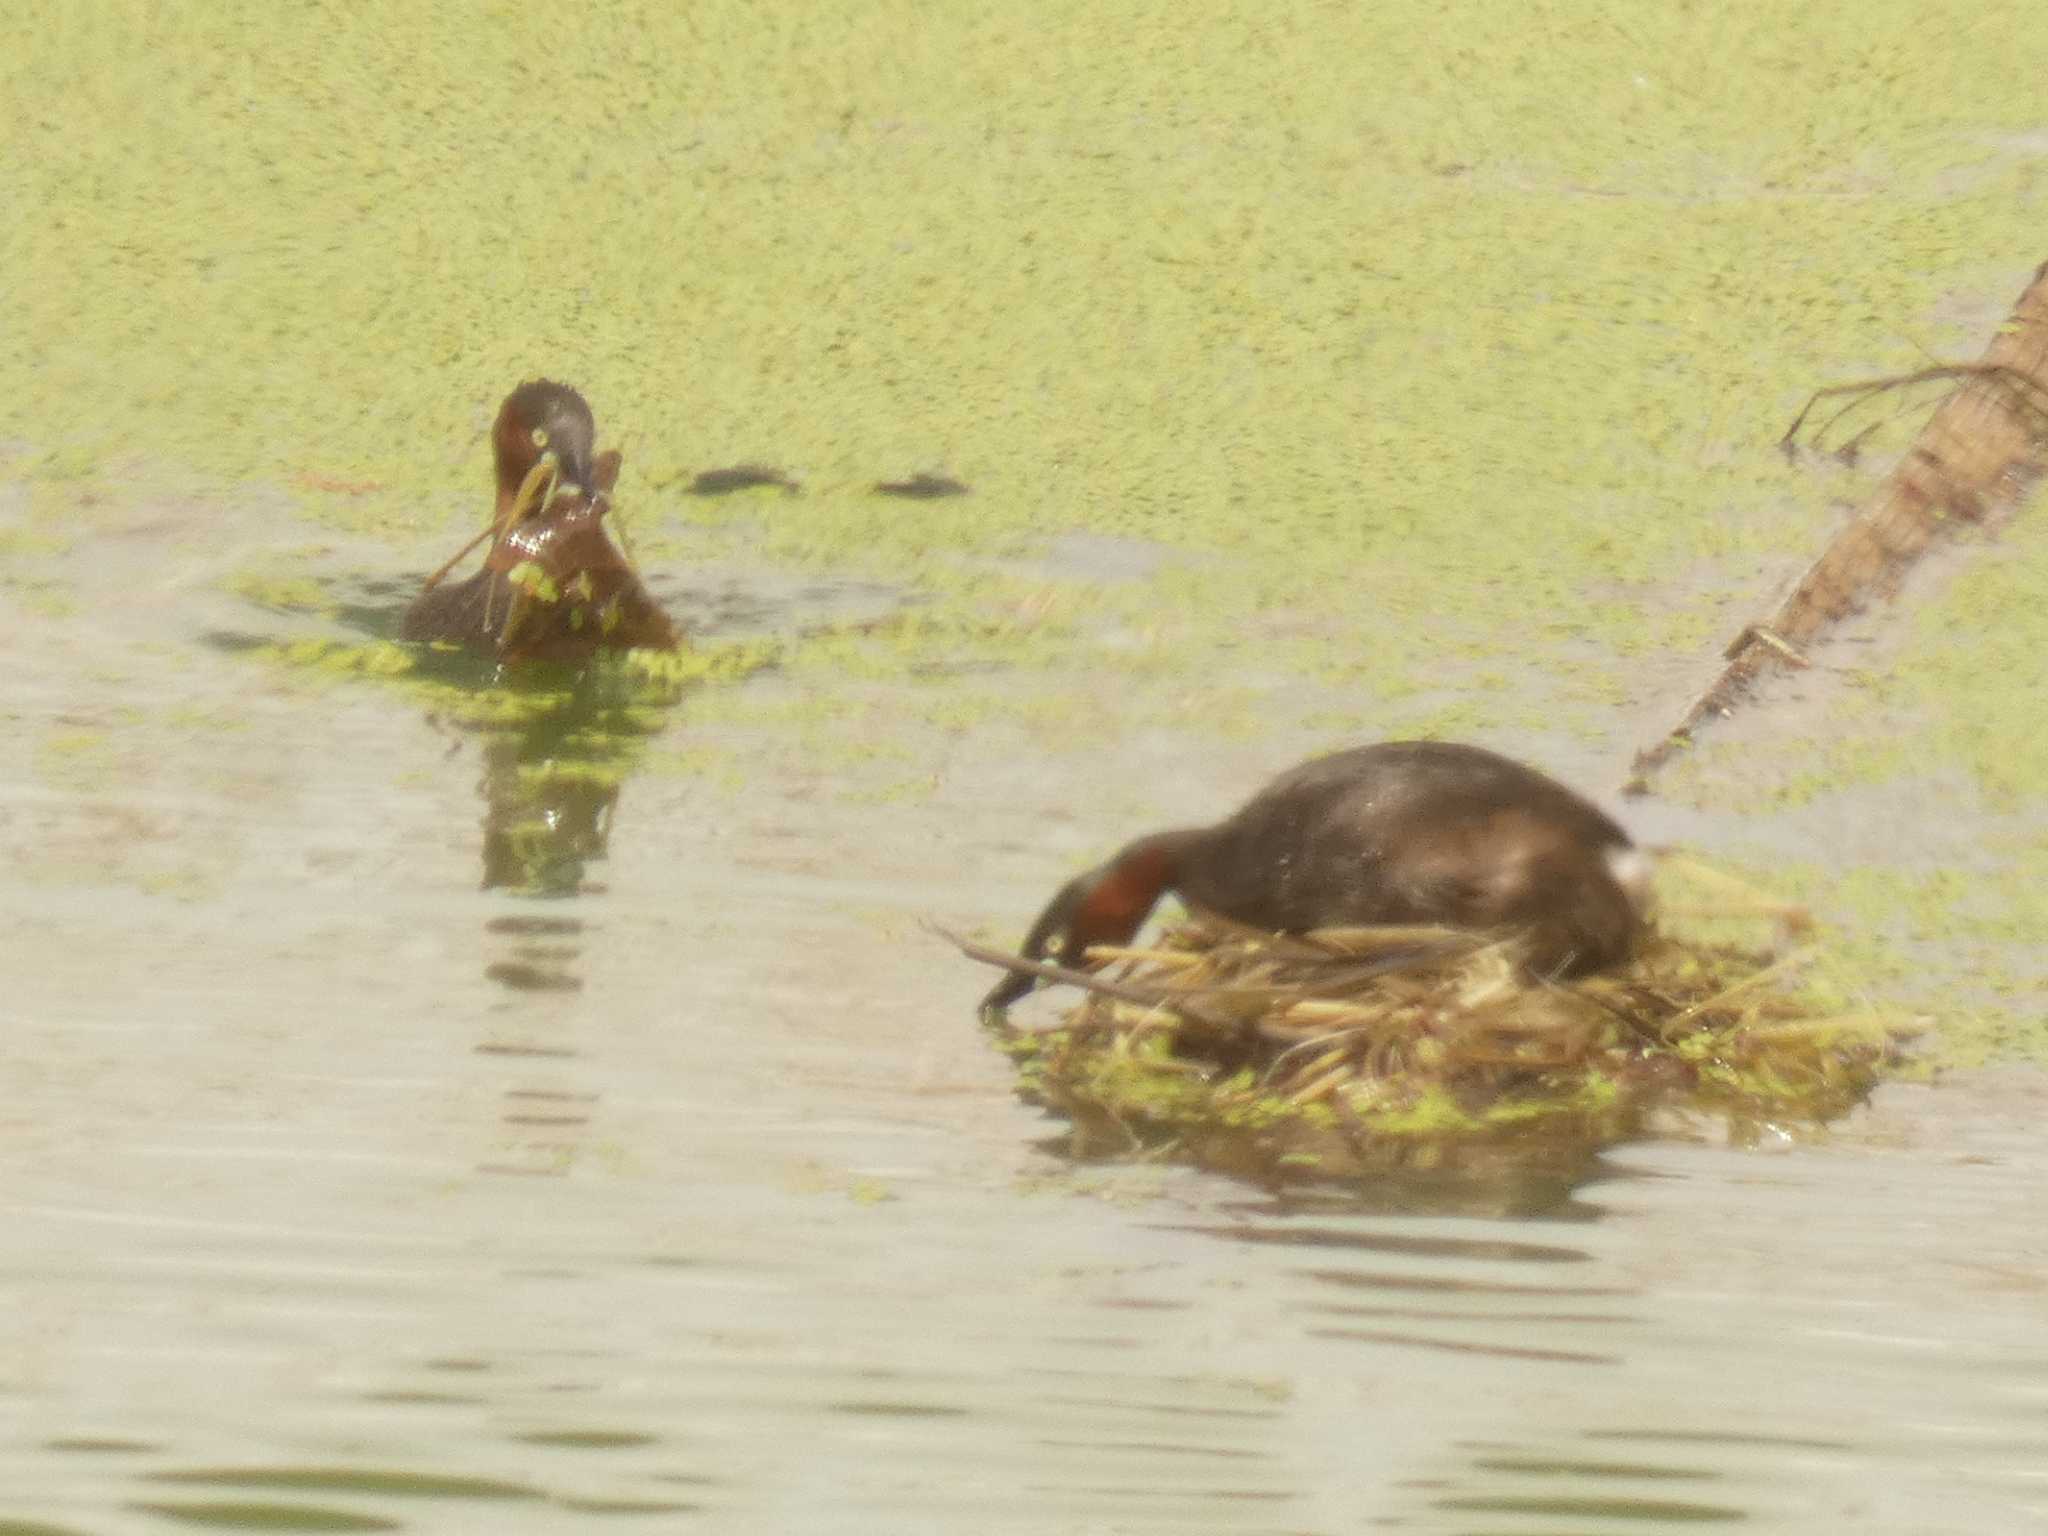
1400, 832
553, 585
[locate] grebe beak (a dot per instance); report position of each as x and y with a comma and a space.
576, 477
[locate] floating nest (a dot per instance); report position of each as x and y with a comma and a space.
1350, 1051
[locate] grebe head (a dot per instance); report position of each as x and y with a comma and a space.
538, 417
1107, 905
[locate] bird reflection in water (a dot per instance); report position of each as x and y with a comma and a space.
554, 592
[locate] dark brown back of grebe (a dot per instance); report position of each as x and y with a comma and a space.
1402, 832
1424, 832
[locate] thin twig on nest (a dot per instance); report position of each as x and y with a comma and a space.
1143, 997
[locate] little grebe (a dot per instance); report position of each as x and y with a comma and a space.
553, 586
1401, 832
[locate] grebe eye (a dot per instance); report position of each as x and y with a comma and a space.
540, 437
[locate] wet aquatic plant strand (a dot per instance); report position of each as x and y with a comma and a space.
494, 530
1970, 465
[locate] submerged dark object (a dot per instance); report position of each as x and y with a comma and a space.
1403, 832
741, 477
554, 586
922, 487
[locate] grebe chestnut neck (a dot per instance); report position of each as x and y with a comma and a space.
1399, 832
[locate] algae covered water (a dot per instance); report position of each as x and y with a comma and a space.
564, 1119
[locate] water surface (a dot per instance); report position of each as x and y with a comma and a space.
345, 1193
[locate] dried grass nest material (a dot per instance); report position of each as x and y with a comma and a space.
1350, 1050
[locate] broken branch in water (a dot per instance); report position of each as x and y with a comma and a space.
1983, 447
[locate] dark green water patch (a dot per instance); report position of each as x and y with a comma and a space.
236, 1516
1597, 1509
1466, 1346
898, 1410
1380, 1242
1452, 1315
586, 1439
1168, 1409
1718, 1437
629, 1507
1123, 1491
523, 926
423, 1399
1158, 1448
1366, 1280
1541, 1467
91, 1445
523, 977
419, 1485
